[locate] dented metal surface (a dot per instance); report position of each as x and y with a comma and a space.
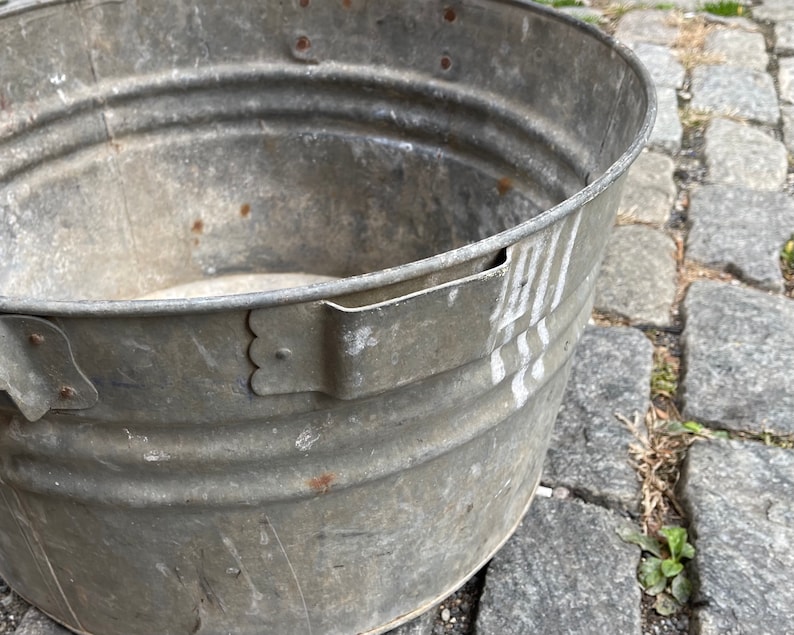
329, 458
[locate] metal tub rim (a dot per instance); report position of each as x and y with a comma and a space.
383, 277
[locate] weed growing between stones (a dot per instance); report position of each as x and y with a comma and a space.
657, 455
785, 441
661, 571
615, 10
664, 376
787, 265
690, 44
725, 8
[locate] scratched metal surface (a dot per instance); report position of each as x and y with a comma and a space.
325, 459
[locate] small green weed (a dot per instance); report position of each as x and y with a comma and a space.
664, 377
787, 256
664, 6
695, 429
724, 8
785, 441
661, 572
595, 20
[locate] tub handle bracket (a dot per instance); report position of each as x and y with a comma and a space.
350, 352
38, 370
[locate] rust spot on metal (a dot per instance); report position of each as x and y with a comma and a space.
245, 210
304, 3
322, 483
36, 339
347, 3
449, 14
504, 185
198, 227
67, 392
446, 63
303, 44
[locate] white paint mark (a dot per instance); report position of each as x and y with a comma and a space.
205, 354
515, 286
306, 439
358, 340
137, 437
453, 295
519, 387
566, 261
540, 296
522, 283
294, 575
524, 29
497, 366
162, 568
538, 369
543, 333
57, 79
155, 456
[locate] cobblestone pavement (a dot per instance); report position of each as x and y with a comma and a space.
693, 273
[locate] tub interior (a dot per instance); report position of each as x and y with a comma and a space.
342, 139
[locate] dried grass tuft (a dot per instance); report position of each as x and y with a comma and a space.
656, 455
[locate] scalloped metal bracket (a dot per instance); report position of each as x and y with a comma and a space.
38, 370
350, 352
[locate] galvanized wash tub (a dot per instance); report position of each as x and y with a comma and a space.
330, 458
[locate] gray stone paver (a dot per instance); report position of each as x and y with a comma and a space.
564, 571
638, 276
741, 92
774, 11
741, 231
739, 154
740, 499
784, 38
36, 623
734, 22
649, 191
738, 347
667, 131
646, 25
736, 47
590, 447
422, 625
662, 63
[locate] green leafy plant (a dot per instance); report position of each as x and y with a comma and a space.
664, 376
661, 572
787, 255
696, 429
724, 8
